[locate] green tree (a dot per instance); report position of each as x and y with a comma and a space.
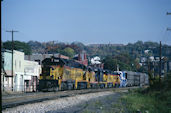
124, 61
68, 52
110, 63
20, 46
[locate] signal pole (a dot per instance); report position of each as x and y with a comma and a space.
12, 32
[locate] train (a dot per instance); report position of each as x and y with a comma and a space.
67, 74
130, 78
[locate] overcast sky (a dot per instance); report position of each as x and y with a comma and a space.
87, 21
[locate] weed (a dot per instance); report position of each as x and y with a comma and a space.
98, 103
135, 101
87, 111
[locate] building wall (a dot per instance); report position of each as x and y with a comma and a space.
39, 57
18, 82
7, 62
18, 62
24, 71
32, 71
14, 80
32, 68
7, 67
18, 65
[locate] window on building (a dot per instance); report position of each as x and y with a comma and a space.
20, 64
15, 79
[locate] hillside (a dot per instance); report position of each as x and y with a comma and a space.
127, 56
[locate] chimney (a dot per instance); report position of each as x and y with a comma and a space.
85, 57
79, 57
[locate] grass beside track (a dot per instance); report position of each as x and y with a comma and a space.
154, 99
140, 100
152, 102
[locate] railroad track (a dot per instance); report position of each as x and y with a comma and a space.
16, 100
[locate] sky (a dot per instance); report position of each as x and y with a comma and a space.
87, 21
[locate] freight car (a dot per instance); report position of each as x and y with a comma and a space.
135, 78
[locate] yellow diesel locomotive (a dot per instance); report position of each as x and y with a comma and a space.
64, 74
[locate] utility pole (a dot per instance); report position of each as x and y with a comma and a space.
168, 29
12, 32
2, 75
168, 13
53, 49
160, 62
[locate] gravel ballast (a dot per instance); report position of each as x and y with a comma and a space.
57, 104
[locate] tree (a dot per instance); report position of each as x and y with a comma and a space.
124, 61
68, 52
79, 44
20, 46
110, 63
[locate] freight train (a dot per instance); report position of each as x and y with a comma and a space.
66, 74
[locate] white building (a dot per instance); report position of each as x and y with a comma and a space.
95, 60
32, 71
18, 66
6, 67
12, 82
25, 73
